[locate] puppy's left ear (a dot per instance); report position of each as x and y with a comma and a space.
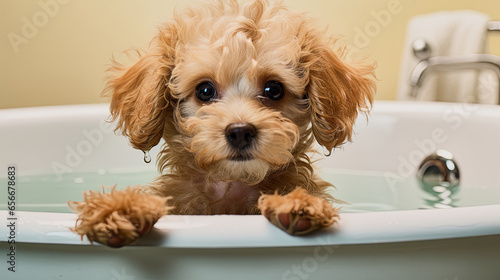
337, 91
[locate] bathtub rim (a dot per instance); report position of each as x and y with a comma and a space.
234, 231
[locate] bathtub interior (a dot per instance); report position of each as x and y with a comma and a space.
62, 151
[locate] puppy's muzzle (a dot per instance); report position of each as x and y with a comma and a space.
240, 136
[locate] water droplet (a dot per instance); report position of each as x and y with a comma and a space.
147, 157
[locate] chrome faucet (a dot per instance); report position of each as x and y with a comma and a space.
428, 64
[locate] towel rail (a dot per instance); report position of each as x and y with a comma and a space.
493, 25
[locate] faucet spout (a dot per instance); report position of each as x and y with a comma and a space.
448, 63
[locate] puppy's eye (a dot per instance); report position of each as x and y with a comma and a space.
274, 90
206, 91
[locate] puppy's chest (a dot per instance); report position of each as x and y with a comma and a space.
232, 197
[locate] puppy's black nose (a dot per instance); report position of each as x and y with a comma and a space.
240, 135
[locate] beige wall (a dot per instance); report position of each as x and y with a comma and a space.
62, 47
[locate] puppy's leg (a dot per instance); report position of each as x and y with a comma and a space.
119, 217
298, 212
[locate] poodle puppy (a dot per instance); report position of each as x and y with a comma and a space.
239, 94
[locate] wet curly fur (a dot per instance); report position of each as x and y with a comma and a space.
238, 50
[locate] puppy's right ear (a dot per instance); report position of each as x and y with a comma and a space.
139, 93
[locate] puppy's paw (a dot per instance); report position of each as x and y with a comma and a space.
117, 218
298, 212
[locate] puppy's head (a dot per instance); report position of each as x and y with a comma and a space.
239, 92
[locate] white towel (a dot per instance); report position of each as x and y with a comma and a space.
448, 33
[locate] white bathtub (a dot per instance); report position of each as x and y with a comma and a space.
53, 149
